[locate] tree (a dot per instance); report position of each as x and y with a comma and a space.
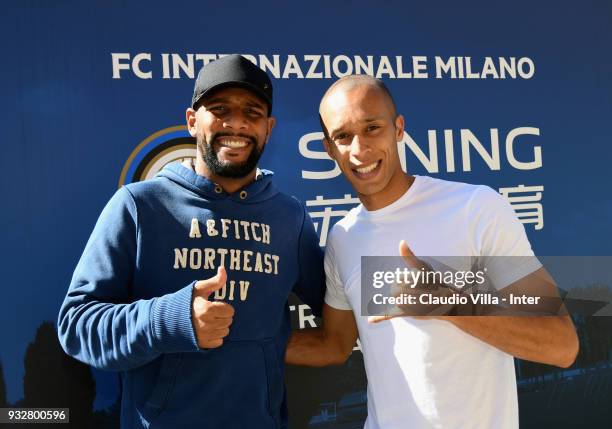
53, 379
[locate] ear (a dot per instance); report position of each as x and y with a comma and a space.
399, 128
190, 116
271, 123
327, 145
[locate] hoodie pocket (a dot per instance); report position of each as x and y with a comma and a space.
170, 365
274, 376
238, 385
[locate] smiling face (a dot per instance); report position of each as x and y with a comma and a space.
362, 134
231, 127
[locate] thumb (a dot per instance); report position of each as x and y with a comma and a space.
208, 286
405, 252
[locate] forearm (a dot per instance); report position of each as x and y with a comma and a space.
545, 339
311, 347
124, 336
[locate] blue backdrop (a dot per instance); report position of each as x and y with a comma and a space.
509, 94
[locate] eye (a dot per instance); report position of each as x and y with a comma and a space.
340, 137
372, 127
219, 108
253, 112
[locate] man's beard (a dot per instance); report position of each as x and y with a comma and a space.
227, 169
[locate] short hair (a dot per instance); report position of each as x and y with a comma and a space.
353, 81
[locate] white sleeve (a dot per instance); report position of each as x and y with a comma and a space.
334, 295
501, 241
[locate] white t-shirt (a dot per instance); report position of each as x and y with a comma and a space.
429, 373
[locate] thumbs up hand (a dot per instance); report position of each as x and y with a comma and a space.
211, 319
416, 311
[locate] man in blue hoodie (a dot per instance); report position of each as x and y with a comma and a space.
199, 353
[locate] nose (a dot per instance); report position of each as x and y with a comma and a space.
359, 148
235, 120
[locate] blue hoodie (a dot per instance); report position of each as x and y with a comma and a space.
128, 307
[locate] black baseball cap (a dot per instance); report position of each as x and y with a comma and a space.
229, 71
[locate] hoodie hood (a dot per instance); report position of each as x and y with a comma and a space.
259, 190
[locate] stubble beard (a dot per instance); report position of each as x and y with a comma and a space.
228, 169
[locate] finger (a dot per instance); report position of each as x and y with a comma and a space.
218, 334
214, 323
378, 319
211, 344
208, 286
220, 309
411, 260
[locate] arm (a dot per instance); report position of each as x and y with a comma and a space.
331, 344
545, 339
310, 286
97, 323
550, 340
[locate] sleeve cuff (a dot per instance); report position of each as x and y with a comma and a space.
171, 323
336, 303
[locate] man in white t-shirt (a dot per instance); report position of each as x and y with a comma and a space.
432, 372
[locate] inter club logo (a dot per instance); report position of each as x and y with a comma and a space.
153, 153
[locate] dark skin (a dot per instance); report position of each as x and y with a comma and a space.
244, 117
363, 131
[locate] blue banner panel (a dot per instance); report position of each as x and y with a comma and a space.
514, 96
